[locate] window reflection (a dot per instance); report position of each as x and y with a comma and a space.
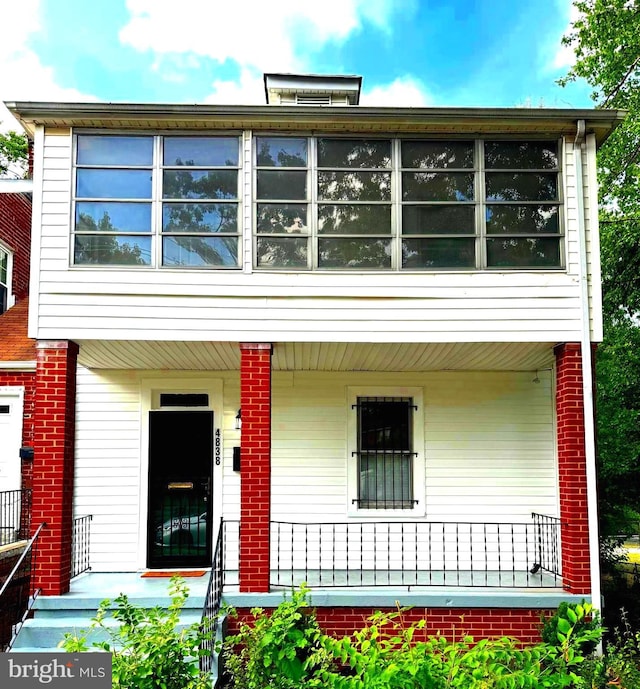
437, 154
437, 186
523, 252
521, 186
112, 250
281, 151
126, 151
113, 184
275, 252
438, 253
523, 155
351, 218
354, 186
190, 251
286, 218
358, 153
200, 151
374, 254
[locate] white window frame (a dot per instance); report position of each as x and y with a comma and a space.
418, 464
11, 300
397, 236
156, 200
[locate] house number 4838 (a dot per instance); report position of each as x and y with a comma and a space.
217, 447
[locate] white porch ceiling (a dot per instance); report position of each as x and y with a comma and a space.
302, 356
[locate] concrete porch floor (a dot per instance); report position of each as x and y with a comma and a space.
143, 590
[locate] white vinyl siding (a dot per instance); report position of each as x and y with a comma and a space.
170, 304
107, 468
489, 448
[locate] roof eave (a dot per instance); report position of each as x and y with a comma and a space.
31, 114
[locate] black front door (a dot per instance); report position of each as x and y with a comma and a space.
180, 510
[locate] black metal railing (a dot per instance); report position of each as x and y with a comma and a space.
80, 545
211, 610
416, 554
17, 593
547, 544
15, 515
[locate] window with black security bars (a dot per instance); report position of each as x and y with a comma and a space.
385, 453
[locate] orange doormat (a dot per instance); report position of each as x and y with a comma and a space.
175, 573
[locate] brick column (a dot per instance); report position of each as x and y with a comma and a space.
255, 466
53, 462
572, 472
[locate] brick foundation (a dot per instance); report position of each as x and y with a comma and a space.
53, 463
572, 472
453, 623
255, 466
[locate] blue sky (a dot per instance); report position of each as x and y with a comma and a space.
409, 52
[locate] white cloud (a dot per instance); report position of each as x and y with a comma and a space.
266, 36
22, 74
404, 91
564, 56
247, 90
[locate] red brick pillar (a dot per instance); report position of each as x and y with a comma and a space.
53, 462
572, 469
255, 466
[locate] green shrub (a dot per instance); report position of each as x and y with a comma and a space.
149, 652
286, 650
581, 620
279, 650
386, 655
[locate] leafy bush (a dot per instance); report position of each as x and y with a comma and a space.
581, 620
279, 650
149, 652
385, 655
286, 650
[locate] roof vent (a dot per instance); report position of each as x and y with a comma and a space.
313, 99
312, 89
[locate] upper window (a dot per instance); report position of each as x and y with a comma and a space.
390, 204
4, 280
132, 190
522, 204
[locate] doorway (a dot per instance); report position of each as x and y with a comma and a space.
180, 490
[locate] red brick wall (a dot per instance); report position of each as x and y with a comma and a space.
572, 471
54, 462
15, 232
453, 623
255, 466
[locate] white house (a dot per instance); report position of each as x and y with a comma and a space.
397, 306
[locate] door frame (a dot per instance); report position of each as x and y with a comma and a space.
14, 395
150, 389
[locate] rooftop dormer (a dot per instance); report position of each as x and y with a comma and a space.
312, 89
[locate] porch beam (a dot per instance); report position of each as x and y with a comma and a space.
255, 467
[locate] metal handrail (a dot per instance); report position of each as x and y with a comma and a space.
212, 601
30, 552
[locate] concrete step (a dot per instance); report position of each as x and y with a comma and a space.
48, 631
